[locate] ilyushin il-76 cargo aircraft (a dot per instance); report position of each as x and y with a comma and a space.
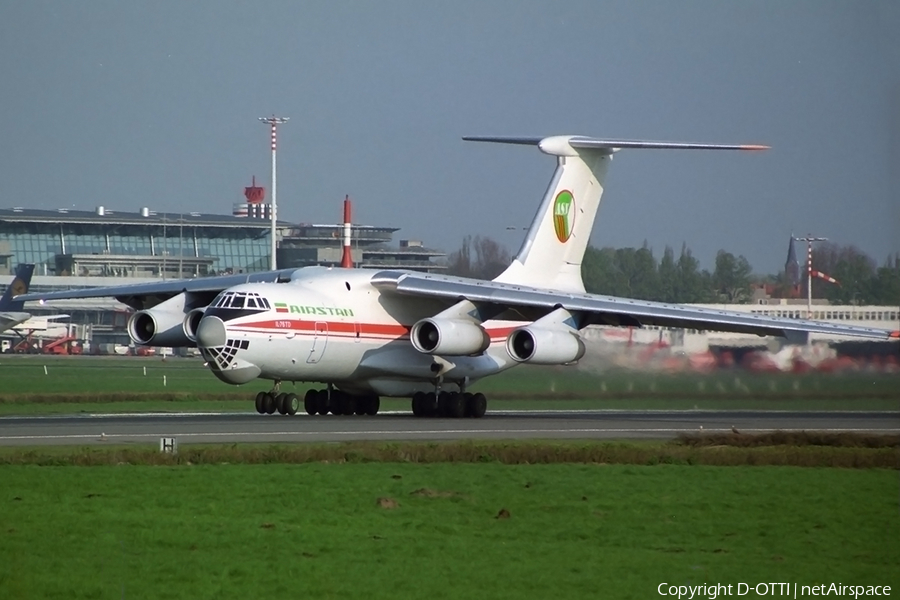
366, 333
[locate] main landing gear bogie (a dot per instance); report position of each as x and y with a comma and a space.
454, 405
317, 402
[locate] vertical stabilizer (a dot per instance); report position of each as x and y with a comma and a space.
551, 255
17, 287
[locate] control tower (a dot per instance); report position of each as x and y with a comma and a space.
254, 207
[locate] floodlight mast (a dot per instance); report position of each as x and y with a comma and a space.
809, 239
274, 121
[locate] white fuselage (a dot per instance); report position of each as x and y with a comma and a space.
334, 326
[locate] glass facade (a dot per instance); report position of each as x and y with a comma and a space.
230, 248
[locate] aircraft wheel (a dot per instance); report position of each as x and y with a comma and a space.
476, 406
442, 404
291, 404
467, 400
269, 404
372, 405
310, 402
334, 402
418, 404
455, 406
322, 402
279, 403
430, 405
348, 403
359, 407
260, 403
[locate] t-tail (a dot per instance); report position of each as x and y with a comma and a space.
551, 255
17, 287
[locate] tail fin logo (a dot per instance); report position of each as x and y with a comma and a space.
18, 287
564, 215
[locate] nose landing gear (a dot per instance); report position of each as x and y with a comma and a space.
268, 403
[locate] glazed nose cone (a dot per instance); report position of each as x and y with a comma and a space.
211, 332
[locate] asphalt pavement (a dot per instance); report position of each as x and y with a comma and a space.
90, 430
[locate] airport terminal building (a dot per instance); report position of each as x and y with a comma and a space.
76, 249
148, 244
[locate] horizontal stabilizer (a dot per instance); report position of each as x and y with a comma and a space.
577, 141
553, 249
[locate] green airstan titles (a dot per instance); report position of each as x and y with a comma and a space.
323, 311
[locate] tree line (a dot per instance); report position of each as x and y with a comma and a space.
637, 273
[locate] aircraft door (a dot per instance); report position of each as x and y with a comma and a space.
320, 340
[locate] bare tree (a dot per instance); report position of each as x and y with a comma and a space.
479, 258
459, 262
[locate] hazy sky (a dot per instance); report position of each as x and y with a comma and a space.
131, 104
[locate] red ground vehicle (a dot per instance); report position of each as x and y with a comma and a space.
67, 344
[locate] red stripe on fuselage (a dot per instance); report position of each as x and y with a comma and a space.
343, 327
333, 326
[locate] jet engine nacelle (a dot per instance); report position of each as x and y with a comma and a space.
191, 322
544, 346
449, 337
162, 325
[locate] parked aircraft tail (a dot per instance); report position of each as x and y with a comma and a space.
551, 255
17, 287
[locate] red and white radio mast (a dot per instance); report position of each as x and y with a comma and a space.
346, 256
274, 121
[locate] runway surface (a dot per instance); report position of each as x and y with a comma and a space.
250, 427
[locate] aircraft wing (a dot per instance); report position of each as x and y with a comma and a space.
8, 320
608, 310
147, 295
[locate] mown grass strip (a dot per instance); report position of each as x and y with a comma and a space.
89, 397
397, 530
844, 455
77, 374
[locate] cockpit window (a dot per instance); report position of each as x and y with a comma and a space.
240, 300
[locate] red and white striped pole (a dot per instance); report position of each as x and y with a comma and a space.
347, 257
809, 239
274, 121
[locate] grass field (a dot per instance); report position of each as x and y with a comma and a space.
40, 385
389, 530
